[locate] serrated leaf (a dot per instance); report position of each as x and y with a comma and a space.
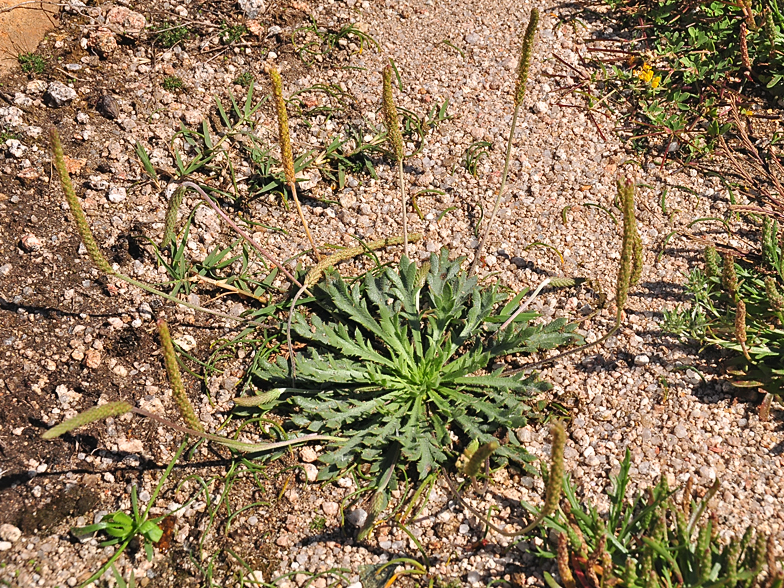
397, 361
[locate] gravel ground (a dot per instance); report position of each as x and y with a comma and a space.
636, 392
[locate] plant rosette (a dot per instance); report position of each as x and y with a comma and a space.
398, 362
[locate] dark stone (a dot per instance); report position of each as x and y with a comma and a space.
107, 107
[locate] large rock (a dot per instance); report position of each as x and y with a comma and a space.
125, 21
102, 41
58, 95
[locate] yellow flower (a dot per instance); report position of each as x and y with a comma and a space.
655, 82
645, 73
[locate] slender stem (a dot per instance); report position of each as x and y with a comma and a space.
292, 359
402, 184
537, 364
489, 227
240, 446
242, 233
107, 564
293, 187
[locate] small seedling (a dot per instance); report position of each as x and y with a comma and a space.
123, 528
245, 79
172, 84
318, 524
169, 34
232, 33
31, 63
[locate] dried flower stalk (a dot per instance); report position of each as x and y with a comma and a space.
97, 413
556, 475
712, 260
173, 372
526, 51
567, 579
729, 279
478, 458
396, 140
630, 269
70, 195
286, 154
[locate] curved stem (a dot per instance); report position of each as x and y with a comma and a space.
402, 184
293, 187
266, 254
537, 364
479, 249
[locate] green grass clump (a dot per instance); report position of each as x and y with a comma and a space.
31, 63
651, 541
244, 79
172, 84
394, 365
169, 34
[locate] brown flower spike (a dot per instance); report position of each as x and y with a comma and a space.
526, 52
173, 371
286, 154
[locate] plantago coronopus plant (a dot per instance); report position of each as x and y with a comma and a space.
522, 78
286, 154
396, 140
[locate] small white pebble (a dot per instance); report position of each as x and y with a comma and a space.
10, 533
311, 472
117, 194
